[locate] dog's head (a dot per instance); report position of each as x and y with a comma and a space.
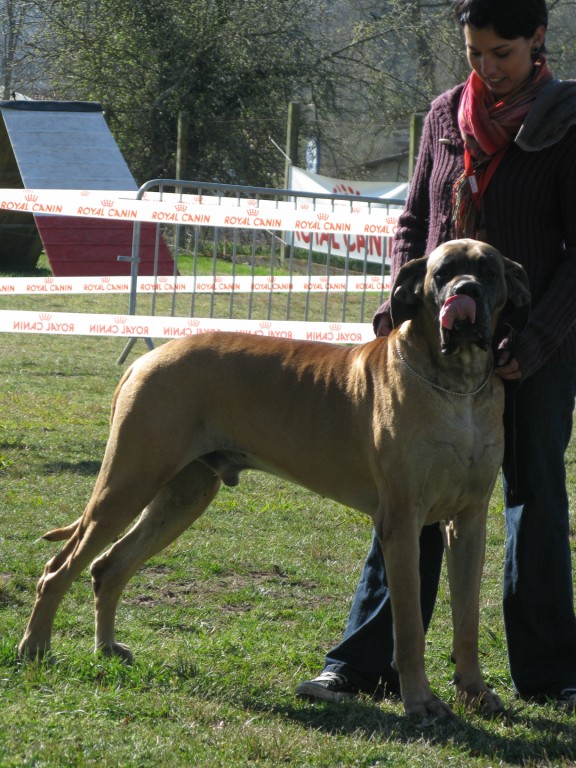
466, 287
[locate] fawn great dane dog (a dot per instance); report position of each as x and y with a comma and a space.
406, 428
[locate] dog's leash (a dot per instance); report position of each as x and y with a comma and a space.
437, 386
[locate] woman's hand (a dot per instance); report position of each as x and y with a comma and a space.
507, 367
383, 324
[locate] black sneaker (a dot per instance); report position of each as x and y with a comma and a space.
566, 699
328, 686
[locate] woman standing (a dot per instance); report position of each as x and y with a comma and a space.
497, 162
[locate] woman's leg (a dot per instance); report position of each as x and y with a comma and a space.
538, 597
364, 656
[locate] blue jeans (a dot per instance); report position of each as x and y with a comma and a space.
538, 599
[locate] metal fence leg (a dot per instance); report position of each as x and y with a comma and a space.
127, 349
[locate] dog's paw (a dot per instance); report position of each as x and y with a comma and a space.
116, 649
31, 650
485, 701
432, 710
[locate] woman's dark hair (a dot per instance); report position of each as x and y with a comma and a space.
509, 18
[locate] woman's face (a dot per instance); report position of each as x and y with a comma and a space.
502, 64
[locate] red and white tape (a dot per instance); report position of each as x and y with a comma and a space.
302, 215
323, 219
199, 284
77, 324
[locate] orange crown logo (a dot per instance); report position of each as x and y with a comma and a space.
323, 216
31, 197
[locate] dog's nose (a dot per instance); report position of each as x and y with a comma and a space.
467, 287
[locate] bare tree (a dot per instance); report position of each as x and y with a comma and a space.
21, 69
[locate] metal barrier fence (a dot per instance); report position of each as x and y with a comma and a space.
275, 254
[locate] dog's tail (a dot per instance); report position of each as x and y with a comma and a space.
60, 534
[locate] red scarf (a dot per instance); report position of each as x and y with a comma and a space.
488, 127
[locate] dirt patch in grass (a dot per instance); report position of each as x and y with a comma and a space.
7, 597
185, 592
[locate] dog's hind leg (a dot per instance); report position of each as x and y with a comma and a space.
176, 506
88, 538
145, 451
112, 507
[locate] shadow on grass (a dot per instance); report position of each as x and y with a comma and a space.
74, 468
525, 735
521, 736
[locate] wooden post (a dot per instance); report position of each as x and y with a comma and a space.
416, 123
182, 144
292, 130
291, 157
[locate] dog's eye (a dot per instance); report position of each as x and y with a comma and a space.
443, 274
487, 270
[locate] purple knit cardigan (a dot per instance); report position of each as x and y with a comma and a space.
530, 212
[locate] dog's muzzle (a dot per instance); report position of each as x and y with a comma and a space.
462, 319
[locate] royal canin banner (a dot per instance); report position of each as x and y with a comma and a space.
354, 223
200, 284
370, 245
303, 215
305, 181
140, 326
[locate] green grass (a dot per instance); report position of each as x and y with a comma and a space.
224, 623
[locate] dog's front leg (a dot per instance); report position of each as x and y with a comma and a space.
401, 550
465, 545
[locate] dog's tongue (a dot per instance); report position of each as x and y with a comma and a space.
458, 307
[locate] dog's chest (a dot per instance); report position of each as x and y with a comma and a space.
455, 454
462, 438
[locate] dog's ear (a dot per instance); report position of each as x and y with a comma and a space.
517, 308
407, 292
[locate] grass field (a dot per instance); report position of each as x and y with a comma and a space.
224, 624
